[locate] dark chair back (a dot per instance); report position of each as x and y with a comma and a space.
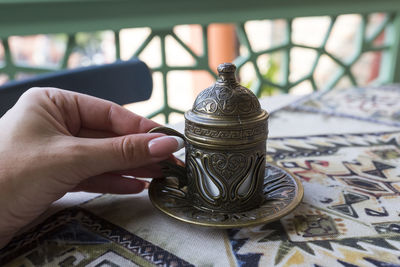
122, 82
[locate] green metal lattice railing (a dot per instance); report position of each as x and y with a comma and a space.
365, 43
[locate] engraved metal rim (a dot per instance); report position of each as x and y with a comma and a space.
227, 121
153, 194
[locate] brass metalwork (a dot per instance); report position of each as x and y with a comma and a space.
281, 194
225, 133
225, 182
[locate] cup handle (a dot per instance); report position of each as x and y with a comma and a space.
167, 131
170, 167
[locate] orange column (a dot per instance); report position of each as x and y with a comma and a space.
222, 44
222, 47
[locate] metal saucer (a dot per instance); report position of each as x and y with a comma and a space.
282, 193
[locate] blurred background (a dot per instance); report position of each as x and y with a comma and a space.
296, 56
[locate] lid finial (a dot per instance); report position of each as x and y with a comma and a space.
226, 72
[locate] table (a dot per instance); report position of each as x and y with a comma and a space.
344, 145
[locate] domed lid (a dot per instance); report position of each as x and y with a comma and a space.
226, 99
226, 111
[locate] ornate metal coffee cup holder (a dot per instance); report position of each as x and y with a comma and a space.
225, 182
282, 193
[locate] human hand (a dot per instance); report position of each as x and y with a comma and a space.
54, 141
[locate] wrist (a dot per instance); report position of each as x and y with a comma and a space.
9, 224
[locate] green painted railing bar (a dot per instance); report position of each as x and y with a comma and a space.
320, 51
68, 50
286, 56
9, 66
379, 30
22, 17
390, 65
117, 44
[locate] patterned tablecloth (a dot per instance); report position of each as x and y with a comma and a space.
343, 145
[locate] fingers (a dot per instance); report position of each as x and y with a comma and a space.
84, 111
113, 184
176, 161
99, 114
88, 133
96, 156
149, 171
160, 145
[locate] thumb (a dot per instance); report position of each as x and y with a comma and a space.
125, 152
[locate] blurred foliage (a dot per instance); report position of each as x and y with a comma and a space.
89, 44
272, 74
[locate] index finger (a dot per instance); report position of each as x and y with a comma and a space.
98, 114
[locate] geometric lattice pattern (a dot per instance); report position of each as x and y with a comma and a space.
278, 75
364, 44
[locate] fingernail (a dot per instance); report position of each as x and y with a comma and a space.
165, 145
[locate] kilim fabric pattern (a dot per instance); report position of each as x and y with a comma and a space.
350, 213
375, 104
349, 216
75, 237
